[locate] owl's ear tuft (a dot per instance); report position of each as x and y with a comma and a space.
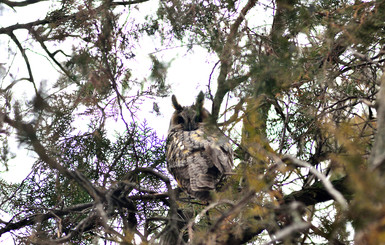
199, 107
175, 103
200, 100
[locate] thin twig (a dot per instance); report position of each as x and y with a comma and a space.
202, 213
287, 231
22, 50
29, 131
328, 185
20, 3
234, 210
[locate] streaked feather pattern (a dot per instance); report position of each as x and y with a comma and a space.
198, 154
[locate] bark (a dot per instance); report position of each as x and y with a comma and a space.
377, 159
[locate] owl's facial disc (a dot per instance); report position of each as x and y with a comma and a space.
189, 124
189, 120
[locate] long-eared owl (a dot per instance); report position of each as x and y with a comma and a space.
198, 153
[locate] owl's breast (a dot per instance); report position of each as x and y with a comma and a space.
183, 144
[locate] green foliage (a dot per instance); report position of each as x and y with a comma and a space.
159, 75
5, 154
98, 159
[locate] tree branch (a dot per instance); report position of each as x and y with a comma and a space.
236, 208
9, 29
51, 55
311, 195
22, 50
317, 193
377, 157
30, 220
288, 231
128, 2
328, 186
29, 131
225, 58
21, 3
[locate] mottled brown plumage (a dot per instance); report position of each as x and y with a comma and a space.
198, 153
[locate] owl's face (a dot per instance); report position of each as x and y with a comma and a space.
189, 117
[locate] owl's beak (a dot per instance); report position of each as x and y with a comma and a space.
190, 125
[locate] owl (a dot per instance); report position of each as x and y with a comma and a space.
198, 153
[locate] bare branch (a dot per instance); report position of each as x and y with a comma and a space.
123, 3
317, 193
202, 213
29, 220
29, 131
51, 55
329, 187
21, 3
171, 194
287, 231
22, 50
9, 29
234, 210
377, 158
225, 85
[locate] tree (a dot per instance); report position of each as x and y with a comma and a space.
301, 97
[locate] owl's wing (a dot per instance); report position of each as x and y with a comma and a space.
177, 156
180, 145
198, 159
219, 150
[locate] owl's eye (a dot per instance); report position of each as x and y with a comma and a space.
180, 120
198, 119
